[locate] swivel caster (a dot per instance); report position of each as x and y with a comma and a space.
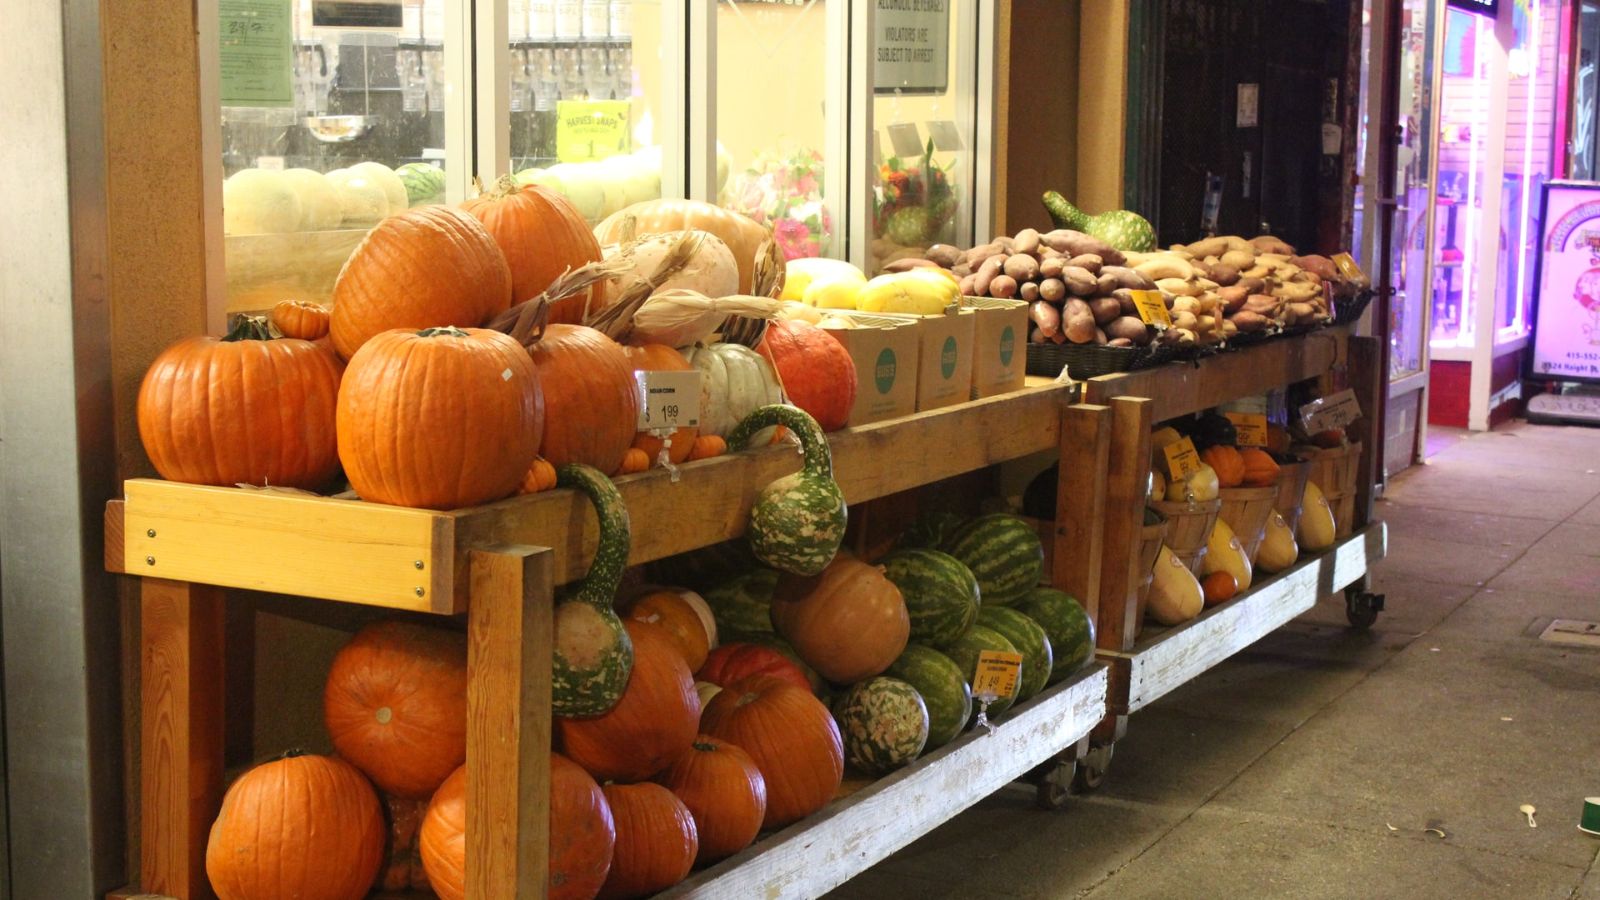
1092, 769
1361, 607
1053, 788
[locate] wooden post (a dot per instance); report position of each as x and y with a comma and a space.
1368, 383
510, 633
1127, 488
181, 640
1081, 503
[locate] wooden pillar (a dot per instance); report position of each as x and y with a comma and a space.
1102, 100
1370, 383
1127, 488
1081, 503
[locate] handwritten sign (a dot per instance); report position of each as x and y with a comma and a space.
913, 47
997, 675
1152, 308
588, 130
1330, 413
1251, 428
668, 400
257, 52
1183, 460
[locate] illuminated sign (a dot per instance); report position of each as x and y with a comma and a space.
1490, 8
1566, 317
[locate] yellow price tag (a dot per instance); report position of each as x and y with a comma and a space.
591, 129
1183, 460
998, 674
1252, 428
1350, 269
1152, 308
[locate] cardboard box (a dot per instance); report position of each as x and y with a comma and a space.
999, 345
884, 349
944, 371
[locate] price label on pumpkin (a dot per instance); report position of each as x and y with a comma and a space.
1183, 460
997, 674
1152, 308
1331, 413
1350, 269
668, 400
1251, 428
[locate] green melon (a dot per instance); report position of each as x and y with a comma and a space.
1003, 553
941, 593
943, 688
884, 723
744, 603
1029, 638
424, 183
964, 652
929, 530
1070, 629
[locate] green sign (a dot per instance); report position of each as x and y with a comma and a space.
947, 357
257, 52
1008, 345
591, 129
883, 371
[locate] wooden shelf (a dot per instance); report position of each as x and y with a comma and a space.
1166, 658
814, 856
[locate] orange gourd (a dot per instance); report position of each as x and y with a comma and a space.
1260, 469
708, 446
299, 826
634, 461
816, 370
542, 235
591, 399
440, 419
668, 611
661, 358
1218, 588
790, 736
741, 233
848, 623
422, 268
242, 410
541, 476
395, 704
1227, 463
300, 319
725, 793
656, 840
654, 721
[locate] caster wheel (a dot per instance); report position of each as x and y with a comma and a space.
1054, 790
1361, 608
1092, 769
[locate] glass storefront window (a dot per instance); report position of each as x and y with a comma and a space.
1530, 133
1465, 99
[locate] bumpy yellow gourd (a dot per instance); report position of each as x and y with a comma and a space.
1224, 553
1175, 595
1316, 521
1278, 549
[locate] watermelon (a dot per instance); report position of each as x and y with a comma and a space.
929, 530
1070, 629
1003, 553
964, 652
941, 594
884, 723
743, 604
943, 688
424, 183
1030, 639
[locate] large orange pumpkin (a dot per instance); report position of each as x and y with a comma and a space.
440, 419
591, 400
848, 623
661, 358
582, 834
425, 267
300, 826
669, 611
725, 793
395, 704
652, 724
542, 235
791, 737
245, 409
741, 233
656, 840
816, 370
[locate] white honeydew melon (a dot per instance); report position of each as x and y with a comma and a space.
394, 190
803, 272
362, 202
530, 175
737, 381
258, 201
637, 175
585, 185
320, 209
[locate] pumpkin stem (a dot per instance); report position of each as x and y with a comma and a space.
290, 754
250, 328
704, 747
443, 331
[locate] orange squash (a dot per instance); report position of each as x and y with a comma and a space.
591, 400
817, 371
542, 235
1260, 469
790, 735
300, 319
725, 793
661, 358
708, 446
1227, 463
1219, 587
671, 613
848, 623
656, 840
541, 476
634, 461
656, 719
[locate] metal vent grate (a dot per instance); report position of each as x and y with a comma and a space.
1572, 631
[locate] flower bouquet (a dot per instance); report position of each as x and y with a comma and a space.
784, 193
914, 202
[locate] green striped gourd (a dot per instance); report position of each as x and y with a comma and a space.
1003, 553
743, 604
884, 723
1070, 629
1029, 639
797, 522
424, 183
1121, 228
941, 593
944, 691
593, 655
965, 654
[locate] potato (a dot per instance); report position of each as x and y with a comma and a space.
1238, 259
1003, 286
1079, 282
1269, 244
1053, 289
1089, 261
909, 263
967, 289
945, 255
1129, 328
985, 274
1026, 241
1224, 275
1022, 267
1104, 309
1127, 278
1050, 267
1029, 291
978, 254
1119, 342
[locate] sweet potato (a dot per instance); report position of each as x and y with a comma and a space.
1105, 309
978, 254
1029, 291
1266, 243
1053, 290
1233, 298
1248, 322
1046, 317
1119, 342
1078, 322
1006, 244
1100, 336
967, 289
1076, 243
1026, 241
909, 263
1003, 286
1079, 282
1238, 259
1185, 319
1022, 267
1129, 328
1215, 246
1088, 261
1127, 278
1252, 285
961, 270
945, 255
985, 274
1051, 266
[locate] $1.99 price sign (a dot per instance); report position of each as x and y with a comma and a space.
668, 400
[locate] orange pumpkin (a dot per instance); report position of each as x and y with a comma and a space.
661, 358
300, 319
591, 399
541, 476
1218, 588
422, 268
816, 370
708, 446
656, 840
1260, 469
848, 623
440, 419
582, 834
725, 793
395, 704
674, 615
741, 233
655, 720
300, 826
634, 461
1227, 463
242, 410
791, 737
542, 235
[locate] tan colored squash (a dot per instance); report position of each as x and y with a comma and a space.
1224, 553
1175, 595
1278, 549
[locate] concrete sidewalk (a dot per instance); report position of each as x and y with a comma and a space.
1313, 763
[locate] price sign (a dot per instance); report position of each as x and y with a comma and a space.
1332, 412
1183, 460
1252, 428
1350, 269
1152, 308
668, 400
997, 674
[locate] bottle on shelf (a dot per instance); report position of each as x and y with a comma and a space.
621, 20
596, 15
569, 20
541, 20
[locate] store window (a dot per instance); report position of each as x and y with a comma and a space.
1532, 68
1466, 98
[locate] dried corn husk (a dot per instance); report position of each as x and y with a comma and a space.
678, 317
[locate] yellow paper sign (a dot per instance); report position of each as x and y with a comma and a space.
997, 675
1183, 460
1252, 428
1152, 308
591, 129
1349, 268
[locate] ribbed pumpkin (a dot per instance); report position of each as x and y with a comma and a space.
738, 661
425, 267
741, 233
244, 409
661, 358
541, 476
542, 235
848, 623
816, 370
591, 400
790, 735
735, 381
300, 319
582, 834
395, 704
653, 722
725, 793
1227, 463
679, 620
300, 826
439, 419
1260, 469
656, 840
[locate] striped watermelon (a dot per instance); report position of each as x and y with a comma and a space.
743, 604
1003, 553
943, 688
929, 530
1070, 629
1030, 640
884, 723
941, 593
964, 652
424, 183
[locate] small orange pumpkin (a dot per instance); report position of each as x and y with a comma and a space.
670, 612
1219, 587
300, 319
1260, 469
708, 446
633, 461
661, 358
541, 476
1227, 462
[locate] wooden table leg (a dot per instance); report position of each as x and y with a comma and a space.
181, 659
1081, 503
1369, 386
510, 633
1127, 489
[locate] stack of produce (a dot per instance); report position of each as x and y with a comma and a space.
266, 201
816, 286
1261, 284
